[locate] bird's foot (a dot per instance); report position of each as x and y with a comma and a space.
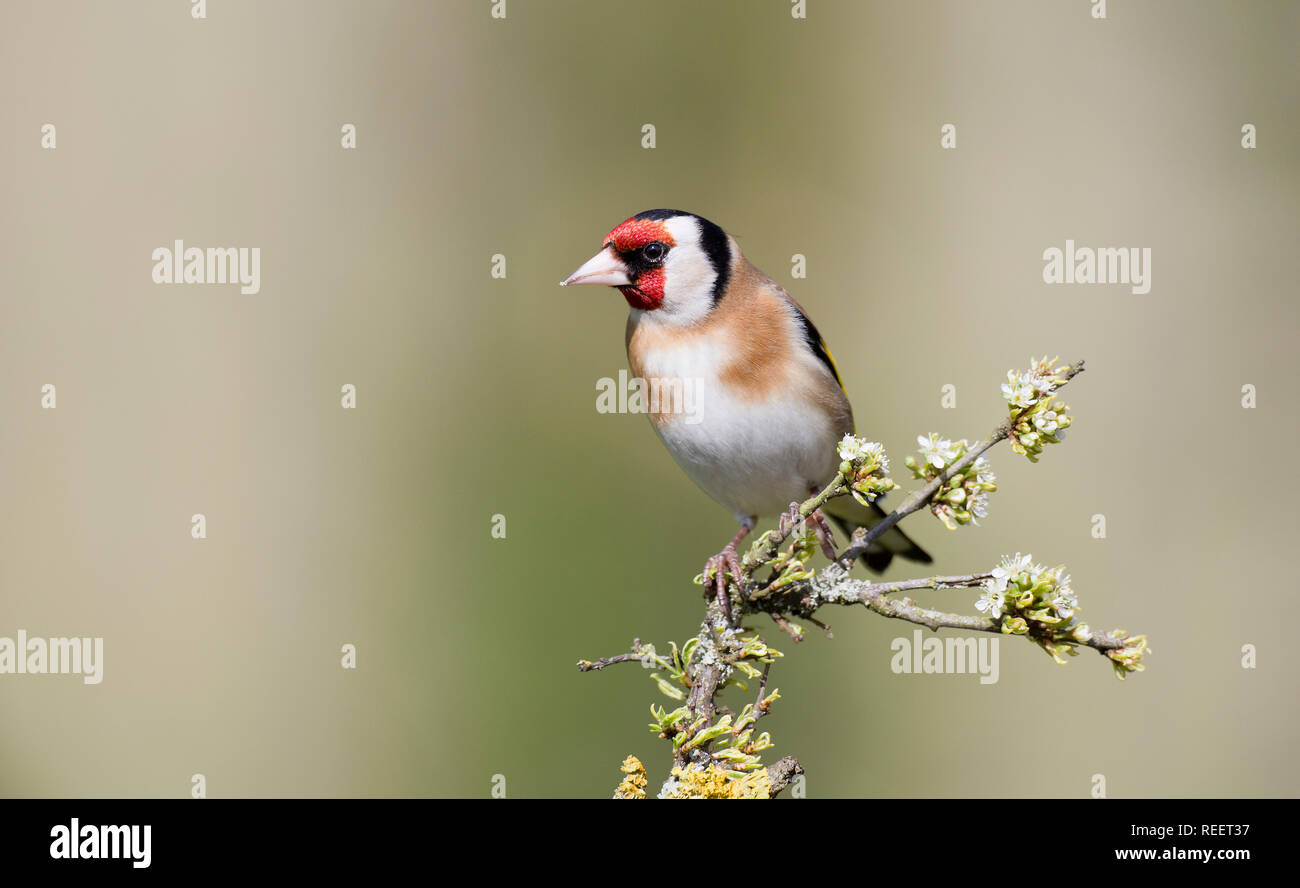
824, 535
789, 520
793, 521
718, 566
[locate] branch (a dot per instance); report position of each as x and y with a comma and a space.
641, 653
832, 575
923, 496
763, 551
597, 665
1019, 597
873, 596
782, 774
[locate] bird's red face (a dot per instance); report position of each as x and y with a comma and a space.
632, 259
642, 245
662, 260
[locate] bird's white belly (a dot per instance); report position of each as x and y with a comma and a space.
754, 457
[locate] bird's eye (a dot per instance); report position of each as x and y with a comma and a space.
654, 251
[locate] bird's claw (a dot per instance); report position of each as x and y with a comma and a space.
727, 560
789, 520
824, 534
718, 565
792, 519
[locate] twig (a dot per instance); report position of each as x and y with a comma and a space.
964, 582
640, 653
759, 709
782, 773
795, 633
922, 496
713, 658
874, 598
773, 539
597, 665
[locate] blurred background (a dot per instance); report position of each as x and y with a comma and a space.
476, 396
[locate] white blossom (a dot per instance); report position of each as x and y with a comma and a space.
992, 601
1046, 422
937, 451
852, 447
1065, 601
1019, 390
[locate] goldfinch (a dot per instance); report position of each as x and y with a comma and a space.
769, 403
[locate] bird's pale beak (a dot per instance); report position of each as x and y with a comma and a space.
603, 268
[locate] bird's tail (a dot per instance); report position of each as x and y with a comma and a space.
849, 514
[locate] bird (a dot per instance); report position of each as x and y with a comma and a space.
770, 405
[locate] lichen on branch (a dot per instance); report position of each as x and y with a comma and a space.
717, 752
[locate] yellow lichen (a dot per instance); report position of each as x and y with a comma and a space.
712, 783
633, 785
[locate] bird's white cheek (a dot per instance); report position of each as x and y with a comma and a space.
688, 287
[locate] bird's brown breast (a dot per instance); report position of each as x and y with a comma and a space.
751, 325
